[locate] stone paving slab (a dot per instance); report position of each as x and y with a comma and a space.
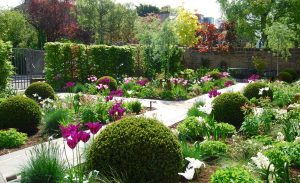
168, 112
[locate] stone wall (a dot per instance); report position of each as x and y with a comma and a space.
241, 58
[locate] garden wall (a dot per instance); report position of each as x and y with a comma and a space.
241, 58
65, 62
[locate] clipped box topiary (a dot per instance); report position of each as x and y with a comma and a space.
285, 76
227, 108
42, 89
252, 91
232, 174
143, 149
110, 81
21, 113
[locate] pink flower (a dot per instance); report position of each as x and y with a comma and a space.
206, 78
94, 127
72, 143
253, 78
84, 136
92, 78
224, 74
213, 93
228, 83
108, 98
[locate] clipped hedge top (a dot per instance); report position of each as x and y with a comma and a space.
42, 89
142, 148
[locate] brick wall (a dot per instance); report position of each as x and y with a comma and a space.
242, 58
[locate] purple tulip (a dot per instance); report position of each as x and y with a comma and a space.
94, 127
84, 136
118, 93
228, 83
72, 143
213, 93
108, 98
64, 131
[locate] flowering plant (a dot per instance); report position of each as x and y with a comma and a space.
72, 135
224, 74
179, 81
117, 111
190, 169
206, 78
228, 83
92, 78
253, 78
263, 166
213, 93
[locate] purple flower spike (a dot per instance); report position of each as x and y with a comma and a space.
94, 127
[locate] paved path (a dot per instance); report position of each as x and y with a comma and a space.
168, 112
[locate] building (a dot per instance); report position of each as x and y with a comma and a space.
209, 20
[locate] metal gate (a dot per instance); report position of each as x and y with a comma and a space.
28, 64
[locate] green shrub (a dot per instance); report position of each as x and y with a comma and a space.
215, 74
79, 88
252, 91
2, 100
43, 90
194, 110
6, 70
87, 114
11, 138
232, 174
21, 113
285, 76
293, 152
53, 119
191, 128
190, 150
292, 72
227, 108
225, 129
144, 149
167, 95
179, 93
110, 81
135, 106
213, 149
251, 125
44, 165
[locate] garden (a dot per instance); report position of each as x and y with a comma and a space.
122, 107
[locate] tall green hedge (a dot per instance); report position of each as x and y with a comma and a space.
6, 68
75, 62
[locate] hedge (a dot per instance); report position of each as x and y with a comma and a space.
6, 68
75, 62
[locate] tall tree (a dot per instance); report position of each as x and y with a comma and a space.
144, 9
50, 17
108, 21
15, 28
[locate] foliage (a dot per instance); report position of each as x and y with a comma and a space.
285, 76
292, 72
76, 62
52, 20
244, 149
283, 93
229, 103
190, 150
259, 63
144, 9
194, 110
280, 39
26, 114
44, 165
53, 119
186, 25
192, 128
252, 90
136, 143
5, 65
79, 88
134, 106
107, 21
14, 27
290, 124
41, 89
213, 149
232, 174
11, 138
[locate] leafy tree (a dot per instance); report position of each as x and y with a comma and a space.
280, 39
15, 28
186, 26
108, 22
50, 18
144, 9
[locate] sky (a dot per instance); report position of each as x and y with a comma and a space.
209, 8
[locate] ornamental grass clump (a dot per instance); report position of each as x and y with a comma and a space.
143, 149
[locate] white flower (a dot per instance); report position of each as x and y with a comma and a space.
261, 91
262, 162
35, 95
129, 92
200, 119
194, 163
188, 174
280, 136
206, 109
